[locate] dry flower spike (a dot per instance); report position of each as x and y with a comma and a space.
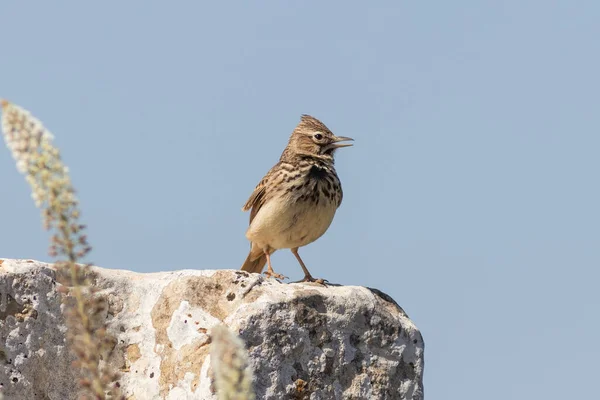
31, 146
229, 360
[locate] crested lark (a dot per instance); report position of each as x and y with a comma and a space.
294, 204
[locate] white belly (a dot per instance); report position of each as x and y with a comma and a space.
285, 224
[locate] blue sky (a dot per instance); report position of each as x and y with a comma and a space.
470, 196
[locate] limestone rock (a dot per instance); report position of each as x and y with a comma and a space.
304, 341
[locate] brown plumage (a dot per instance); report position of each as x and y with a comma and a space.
294, 204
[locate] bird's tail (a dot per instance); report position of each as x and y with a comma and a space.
254, 262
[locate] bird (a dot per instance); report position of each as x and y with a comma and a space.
295, 202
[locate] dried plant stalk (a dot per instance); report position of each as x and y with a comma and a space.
36, 157
229, 360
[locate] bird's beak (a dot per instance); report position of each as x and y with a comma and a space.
336, 142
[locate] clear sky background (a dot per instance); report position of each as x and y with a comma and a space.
471, 195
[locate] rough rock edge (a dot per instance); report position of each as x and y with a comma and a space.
304, 341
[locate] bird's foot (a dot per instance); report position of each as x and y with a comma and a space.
271, 273
309, 278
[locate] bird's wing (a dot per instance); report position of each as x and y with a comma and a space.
256, 200
261, 193
264, 191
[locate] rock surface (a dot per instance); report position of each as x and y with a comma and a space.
304, 341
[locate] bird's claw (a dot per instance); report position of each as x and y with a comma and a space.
275, 275
320, 281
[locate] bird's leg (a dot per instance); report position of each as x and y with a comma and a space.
269, 272
307, 276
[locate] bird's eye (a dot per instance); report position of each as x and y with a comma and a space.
318, 136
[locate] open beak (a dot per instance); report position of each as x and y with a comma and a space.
336, 142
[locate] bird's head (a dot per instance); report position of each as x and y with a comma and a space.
312, 137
